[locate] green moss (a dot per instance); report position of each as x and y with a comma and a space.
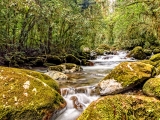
148, 62
128, 73
156, 50
72, 59
24, 94
152, 87
53, 59
104, 47
71, 65
99, 51
155, 57
148, 52
137, 53
122, 107
65, 66
44, 78
59, 68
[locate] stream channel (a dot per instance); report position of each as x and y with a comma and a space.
80, 88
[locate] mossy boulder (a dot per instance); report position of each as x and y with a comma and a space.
28, 95
152, 87
72, 59
53, 59
156, 50
148, 52
104, 47
15, 59
155, 57
122, 107
137, 53
65, 68
125, 76
148, 62
157, 70
99, 51
35, 61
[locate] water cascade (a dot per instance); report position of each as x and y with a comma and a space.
80, 93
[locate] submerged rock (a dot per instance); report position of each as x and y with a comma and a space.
125, 76
122, 107
28, 95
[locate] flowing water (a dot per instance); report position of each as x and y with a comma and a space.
79, 91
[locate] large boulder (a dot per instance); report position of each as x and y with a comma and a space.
137, 53
152, 87
28, 95
125, 76
122, 107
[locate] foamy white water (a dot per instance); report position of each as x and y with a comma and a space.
83, 95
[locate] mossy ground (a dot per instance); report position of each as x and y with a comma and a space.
25, 95
127, 73
123, 107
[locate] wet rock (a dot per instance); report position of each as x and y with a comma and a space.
28, 95
15, 59
109, 86
137, 53
65, 68
152, 87
72, 59
53, 59
122, 107
57, 75
125, 76
77, 105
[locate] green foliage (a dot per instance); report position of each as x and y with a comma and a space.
137, 23
53, 26
59, 27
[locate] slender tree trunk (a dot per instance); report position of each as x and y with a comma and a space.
50, 29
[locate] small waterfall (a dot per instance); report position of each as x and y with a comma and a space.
82, 89
77, 100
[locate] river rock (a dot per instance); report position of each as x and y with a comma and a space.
72, 59
65, 68
122, 107
57, 75
137, 53
125, 76
152, 87
28, 95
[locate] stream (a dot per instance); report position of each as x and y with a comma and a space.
79, 90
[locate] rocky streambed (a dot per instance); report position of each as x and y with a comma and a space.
115, 88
